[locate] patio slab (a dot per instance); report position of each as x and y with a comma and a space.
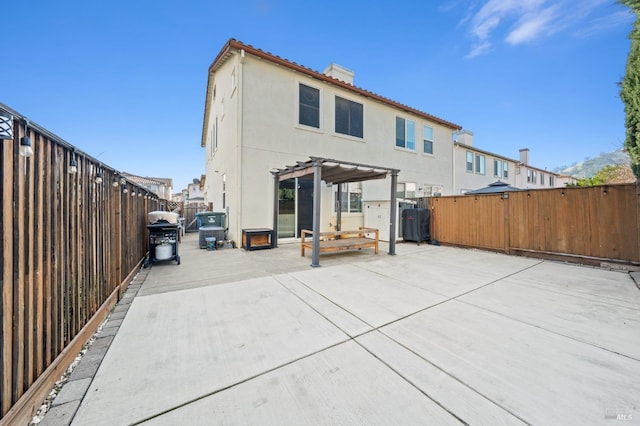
588, 313
375, 299
175, 347
341, 385
449, 271
538, 376
433, 335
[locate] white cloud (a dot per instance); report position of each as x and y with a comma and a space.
533, 25
522, 21
479, 49
604, 23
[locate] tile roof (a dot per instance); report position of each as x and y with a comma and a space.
148, 180
225, 53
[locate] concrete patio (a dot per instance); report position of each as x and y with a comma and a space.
433, 335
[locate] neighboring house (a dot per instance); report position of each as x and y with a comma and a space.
193, 194
530, 177
162, 187
476, 168
263, 113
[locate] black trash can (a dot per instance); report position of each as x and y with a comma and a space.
415, 225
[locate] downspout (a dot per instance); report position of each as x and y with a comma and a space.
239, 121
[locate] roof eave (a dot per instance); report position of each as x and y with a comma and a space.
234, 44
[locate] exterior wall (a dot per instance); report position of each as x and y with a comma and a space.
222, 148
260, 132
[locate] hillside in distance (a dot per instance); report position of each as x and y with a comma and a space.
591, 166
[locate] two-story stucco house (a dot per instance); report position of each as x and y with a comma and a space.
263, 113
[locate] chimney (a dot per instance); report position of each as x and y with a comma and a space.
524, 155
465, 137
340, 73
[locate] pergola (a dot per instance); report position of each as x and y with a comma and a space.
334, 172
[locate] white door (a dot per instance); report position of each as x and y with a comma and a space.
376, 215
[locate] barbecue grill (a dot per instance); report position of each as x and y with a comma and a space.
163, 242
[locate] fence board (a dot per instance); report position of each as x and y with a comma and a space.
6, 280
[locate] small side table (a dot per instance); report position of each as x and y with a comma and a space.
257, 238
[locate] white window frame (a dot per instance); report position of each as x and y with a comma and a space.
320, 107
432, 190
425, 140
410, 189
497, 168
472, 157
347, 189
405, 139
348, 135
480, 163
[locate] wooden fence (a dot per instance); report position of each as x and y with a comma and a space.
593, 225
70, 245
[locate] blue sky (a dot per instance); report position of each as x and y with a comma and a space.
124, 81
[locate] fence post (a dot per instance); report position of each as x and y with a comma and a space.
507, 226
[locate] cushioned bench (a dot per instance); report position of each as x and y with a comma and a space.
332, 241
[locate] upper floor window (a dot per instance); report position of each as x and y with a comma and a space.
349, 117
480, 164
469, 161
528, 176
497, 168
505, 170
405, 133
551, 181
427, 139
541, 178
534, 177
309, 110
